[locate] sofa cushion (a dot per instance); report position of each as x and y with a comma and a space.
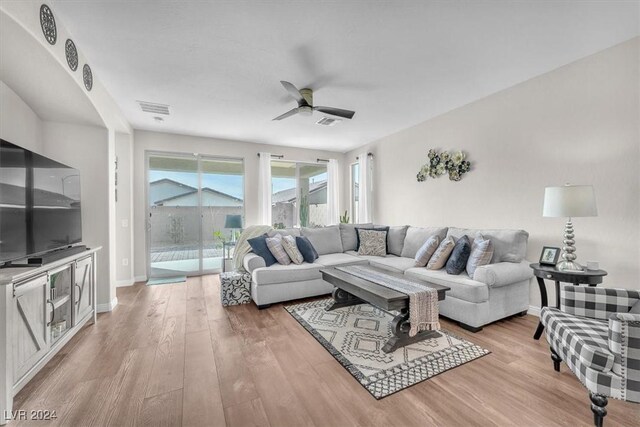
285, 232
416, 236
457, 262
462, 287
508, 245
395, 264
275, 246
395, 238
426, 251
329, 260
260, 248
279, 273
585, 339
307, 250
441, 255
367, 257
326, 240
349, 237
290, 246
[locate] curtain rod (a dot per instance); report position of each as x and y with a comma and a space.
322, 160
275, 156
368, 155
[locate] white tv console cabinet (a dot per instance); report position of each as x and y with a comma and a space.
41, 309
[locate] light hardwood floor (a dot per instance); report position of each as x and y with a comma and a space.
171, 355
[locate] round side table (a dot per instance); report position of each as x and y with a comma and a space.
586, 277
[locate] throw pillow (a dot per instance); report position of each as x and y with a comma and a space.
275, 246
290, 247
372, 242
307, 250
260, 248
426, 251
441, 255
459, 256
635, 308
481, 254
385, 229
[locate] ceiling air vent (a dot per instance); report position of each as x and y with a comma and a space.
153, 108
326, 121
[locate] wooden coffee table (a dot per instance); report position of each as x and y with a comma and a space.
352, 290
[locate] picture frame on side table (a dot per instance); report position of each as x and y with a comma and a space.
549, 255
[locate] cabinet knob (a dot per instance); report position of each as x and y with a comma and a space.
549, 276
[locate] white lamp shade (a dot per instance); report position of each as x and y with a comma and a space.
569, 201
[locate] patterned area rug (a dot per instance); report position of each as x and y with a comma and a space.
355, 336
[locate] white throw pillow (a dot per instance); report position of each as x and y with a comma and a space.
481, 254
426, 251
289, 245
275, 246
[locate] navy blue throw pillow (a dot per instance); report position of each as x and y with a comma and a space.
386, 241
459, 256
260, 248
307, 250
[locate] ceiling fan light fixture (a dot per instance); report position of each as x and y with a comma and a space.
305, 110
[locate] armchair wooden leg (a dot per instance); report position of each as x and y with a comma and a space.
598, 407
556, 359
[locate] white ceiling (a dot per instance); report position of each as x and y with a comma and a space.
218, 64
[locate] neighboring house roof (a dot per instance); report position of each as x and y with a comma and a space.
205, 189
289, 195
186, 191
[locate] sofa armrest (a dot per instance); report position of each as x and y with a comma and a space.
503, 273
595, 302
624, 343
252, 261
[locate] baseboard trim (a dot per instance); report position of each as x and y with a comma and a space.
534, 311
104, 308
124, 283
137, 279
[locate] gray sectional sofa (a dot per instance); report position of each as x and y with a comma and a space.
497, 290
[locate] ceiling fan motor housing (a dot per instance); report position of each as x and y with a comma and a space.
307, 94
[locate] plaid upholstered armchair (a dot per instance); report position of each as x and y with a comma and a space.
598, 338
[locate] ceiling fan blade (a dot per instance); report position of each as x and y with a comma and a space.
287, 114
347, 114
293, 91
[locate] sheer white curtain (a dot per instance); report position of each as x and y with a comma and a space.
333, 192
264, 189
364, 188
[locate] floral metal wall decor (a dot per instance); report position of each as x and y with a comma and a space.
71, 53
87, 76
439, 163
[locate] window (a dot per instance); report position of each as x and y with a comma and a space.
298, 194
355, 179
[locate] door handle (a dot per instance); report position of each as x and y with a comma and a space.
53, 307
79, 294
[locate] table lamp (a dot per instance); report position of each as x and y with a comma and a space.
569, 201
233, 222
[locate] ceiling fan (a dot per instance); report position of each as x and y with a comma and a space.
304, 98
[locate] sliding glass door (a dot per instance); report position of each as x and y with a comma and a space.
190, 200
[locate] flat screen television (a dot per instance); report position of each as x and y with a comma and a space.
39, 204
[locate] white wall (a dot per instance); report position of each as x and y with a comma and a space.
124, 210
18, 122
153, 141
579, 124
85, 148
